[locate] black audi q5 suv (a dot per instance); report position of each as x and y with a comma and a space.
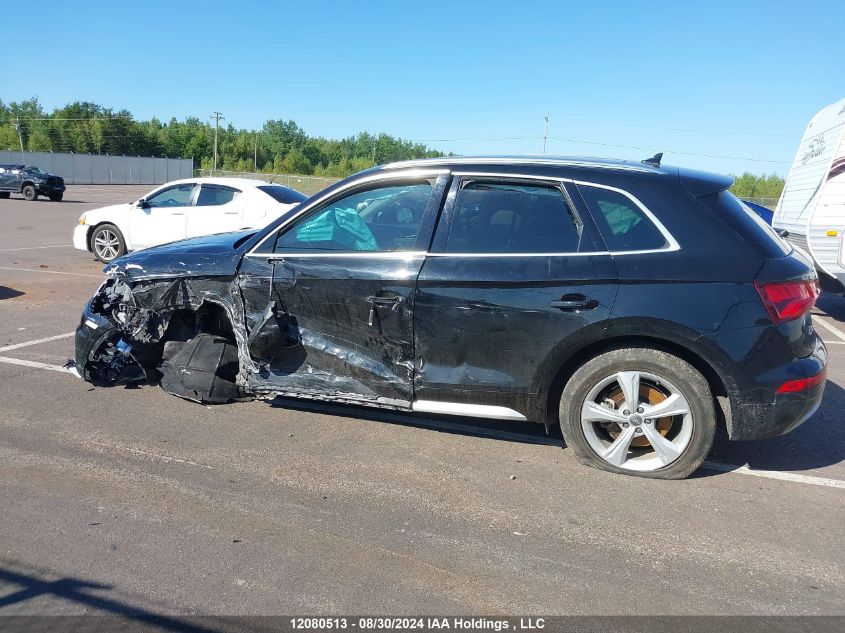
639, 306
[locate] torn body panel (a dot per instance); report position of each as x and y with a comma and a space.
334, 330
337, 328
122, 335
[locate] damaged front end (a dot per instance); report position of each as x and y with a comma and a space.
172, 331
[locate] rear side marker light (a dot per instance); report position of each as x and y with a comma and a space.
802, 384
787, 300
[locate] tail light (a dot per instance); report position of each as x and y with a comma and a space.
787, 300
802, 384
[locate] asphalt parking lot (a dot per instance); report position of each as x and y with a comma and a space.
133, 501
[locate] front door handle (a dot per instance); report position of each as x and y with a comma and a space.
382, 302
574, 302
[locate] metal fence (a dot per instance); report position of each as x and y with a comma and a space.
308, 185
769, 203
93, 169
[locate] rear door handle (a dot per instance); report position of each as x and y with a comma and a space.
574, 302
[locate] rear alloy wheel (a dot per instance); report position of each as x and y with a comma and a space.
640, 412
107, 243
30, 193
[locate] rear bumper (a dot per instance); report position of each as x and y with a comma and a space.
772, 414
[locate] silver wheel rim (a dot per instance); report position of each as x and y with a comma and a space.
106, 244
660, 432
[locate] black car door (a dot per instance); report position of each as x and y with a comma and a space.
329, 298
515, 275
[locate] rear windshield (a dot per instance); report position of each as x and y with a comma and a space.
282, 194
747, 223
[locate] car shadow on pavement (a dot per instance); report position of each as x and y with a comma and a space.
504, 430
818, 443
9, 293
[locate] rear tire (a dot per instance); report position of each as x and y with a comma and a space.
605, 407
4, 195
107, 243
30, 193
56, 197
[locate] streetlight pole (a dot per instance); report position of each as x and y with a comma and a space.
216, 116
20, 138
545, 132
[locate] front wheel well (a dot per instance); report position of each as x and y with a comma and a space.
208, 318
717, 385
91, 229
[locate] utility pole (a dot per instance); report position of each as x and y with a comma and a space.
545, 132
216, 116
20, 138
255, 156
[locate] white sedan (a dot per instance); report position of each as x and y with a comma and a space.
179, 210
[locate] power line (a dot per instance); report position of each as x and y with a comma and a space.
671, 151
581, 141
90, 118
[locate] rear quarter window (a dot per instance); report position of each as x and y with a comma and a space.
621, 222
747, 224
282, 194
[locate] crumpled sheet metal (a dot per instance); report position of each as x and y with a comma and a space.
326, 368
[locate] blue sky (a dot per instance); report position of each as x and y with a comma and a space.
738, 79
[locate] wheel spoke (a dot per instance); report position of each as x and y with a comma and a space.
629, 381
675, 404
617, 452
665, 450
594, 412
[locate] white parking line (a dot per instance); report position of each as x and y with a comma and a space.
50, 272
32, 248
773, 474
833, 330
36, 365
46, 339
166, 458
718, 466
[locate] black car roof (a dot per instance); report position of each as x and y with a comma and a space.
697, 182
554, 161
13, 166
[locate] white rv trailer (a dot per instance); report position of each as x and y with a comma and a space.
812, 205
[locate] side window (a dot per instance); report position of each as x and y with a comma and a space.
214, 195
497, 217
178, 196
623, 225
381, 219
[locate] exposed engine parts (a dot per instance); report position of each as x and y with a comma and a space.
169, 332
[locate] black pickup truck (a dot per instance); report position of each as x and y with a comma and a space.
31, 182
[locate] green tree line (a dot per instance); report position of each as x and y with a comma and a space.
278, 147
752, 186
